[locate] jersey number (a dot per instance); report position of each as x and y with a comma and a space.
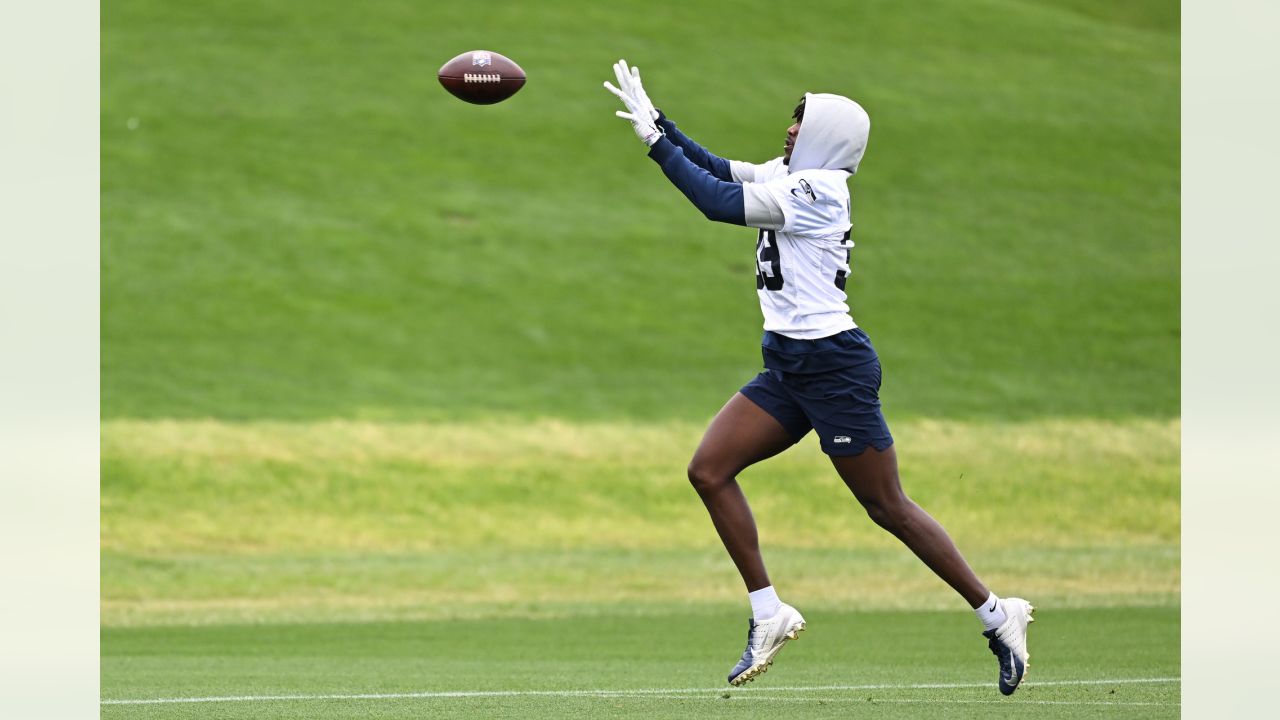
768, 262
841, 275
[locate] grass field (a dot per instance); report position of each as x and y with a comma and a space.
398, 393
302, 225
1119, 663
416, 571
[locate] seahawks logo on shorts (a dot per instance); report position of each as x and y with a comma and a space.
808, 192
841, 439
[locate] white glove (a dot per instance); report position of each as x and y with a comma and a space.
630, 83
640, 114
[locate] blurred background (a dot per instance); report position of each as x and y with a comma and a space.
371, 353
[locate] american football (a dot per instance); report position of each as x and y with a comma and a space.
482, 77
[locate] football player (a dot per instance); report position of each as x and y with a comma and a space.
820, 373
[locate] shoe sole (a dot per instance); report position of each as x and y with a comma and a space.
762, 667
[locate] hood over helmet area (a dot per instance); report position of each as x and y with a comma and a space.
832, 136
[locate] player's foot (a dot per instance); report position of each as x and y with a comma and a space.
1009, 643
764, 640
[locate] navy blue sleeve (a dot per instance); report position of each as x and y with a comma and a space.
717, 166
718, 200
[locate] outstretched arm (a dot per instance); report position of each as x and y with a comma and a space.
699, 155
730, 170
724, 201
718, 198
707, 180
630, 84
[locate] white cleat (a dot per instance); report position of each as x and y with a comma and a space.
764, 640
1009, 643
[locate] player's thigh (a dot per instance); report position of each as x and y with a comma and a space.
871, 475
741, 434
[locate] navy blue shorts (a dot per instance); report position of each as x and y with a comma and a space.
830, 385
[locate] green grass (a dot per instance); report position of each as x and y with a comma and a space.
216, 522
680, 656
301, 224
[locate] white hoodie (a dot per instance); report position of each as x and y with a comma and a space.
802, 211
833, 135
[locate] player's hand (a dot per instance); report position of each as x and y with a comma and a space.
634, 88
629, 81
642, 121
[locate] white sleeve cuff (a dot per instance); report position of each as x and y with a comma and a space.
742, 172
761, 208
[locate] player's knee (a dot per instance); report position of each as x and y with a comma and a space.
877, 512
704, 477
890, 513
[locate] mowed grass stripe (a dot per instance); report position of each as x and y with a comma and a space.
207, 486
647, 584
759, 692
206, 521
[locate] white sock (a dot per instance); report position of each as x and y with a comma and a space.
990, 612
764, 603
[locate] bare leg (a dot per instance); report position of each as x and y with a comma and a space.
740, 435
873, 478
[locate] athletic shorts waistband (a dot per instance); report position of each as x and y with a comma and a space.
848, 348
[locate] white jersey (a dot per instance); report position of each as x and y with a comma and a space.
802, 257
802, 211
